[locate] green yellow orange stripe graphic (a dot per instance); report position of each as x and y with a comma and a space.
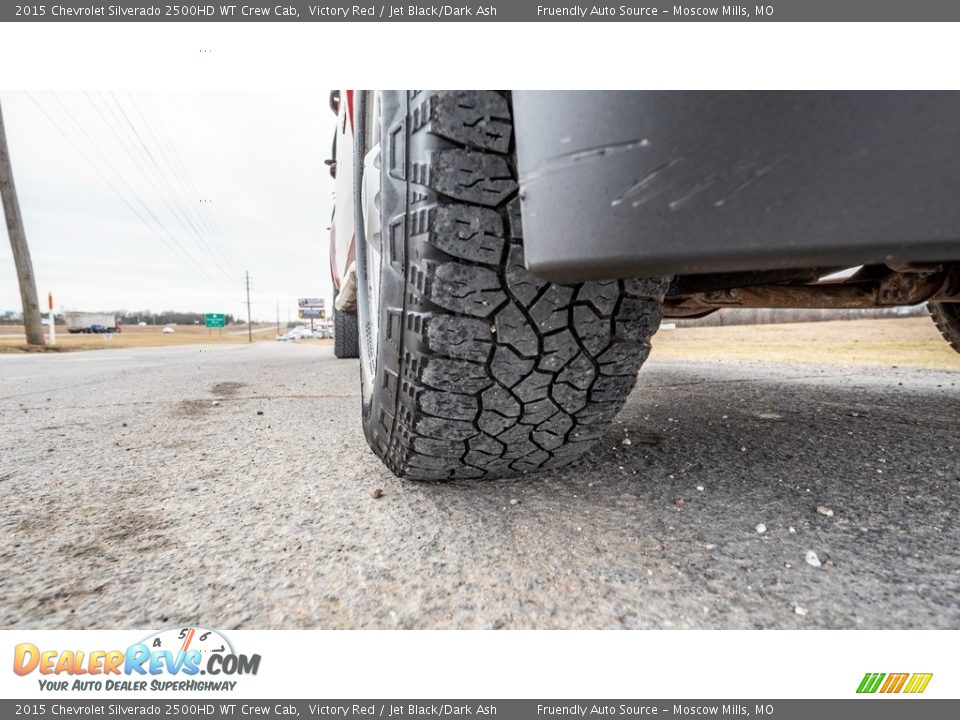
894, 682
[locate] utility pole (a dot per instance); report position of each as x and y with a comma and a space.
278, 318
249, 326
32, 323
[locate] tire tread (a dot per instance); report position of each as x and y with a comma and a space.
947, 318
498, 372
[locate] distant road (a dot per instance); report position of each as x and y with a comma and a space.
272, 328
231, 485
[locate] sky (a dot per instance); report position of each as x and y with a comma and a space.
162, 201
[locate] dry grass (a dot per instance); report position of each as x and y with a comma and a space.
913, 342
908, 342
12, 339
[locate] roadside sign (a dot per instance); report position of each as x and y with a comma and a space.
53, 326
311, 303
213, 320
310, 312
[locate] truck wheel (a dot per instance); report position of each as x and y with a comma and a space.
947, 318
470, 366
345, 343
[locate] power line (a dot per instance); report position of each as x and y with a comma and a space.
179, 171
136, 162
144, 170
209, 216
165, 156
83, 132
176, 248
181, 213
59, 127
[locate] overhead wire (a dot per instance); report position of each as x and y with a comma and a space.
168, 150
158, 176
173, 244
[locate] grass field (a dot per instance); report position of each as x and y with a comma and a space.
905, 342
12, 339
912, 342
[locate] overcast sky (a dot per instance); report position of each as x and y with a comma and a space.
148, 242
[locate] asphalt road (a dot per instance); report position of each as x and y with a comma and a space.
232, 487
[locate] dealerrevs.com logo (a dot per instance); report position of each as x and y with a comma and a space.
168, 660
889, 683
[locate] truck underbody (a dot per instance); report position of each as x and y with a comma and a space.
746, 199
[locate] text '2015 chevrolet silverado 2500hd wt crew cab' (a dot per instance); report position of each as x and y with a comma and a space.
501, 260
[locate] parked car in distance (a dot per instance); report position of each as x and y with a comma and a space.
168, 330
297, 333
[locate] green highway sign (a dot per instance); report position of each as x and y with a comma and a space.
213, 320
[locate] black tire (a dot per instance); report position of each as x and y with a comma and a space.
947, 318
345, 343
482, 369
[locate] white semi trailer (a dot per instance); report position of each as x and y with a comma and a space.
87, 322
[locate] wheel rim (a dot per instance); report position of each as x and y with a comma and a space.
368, 253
